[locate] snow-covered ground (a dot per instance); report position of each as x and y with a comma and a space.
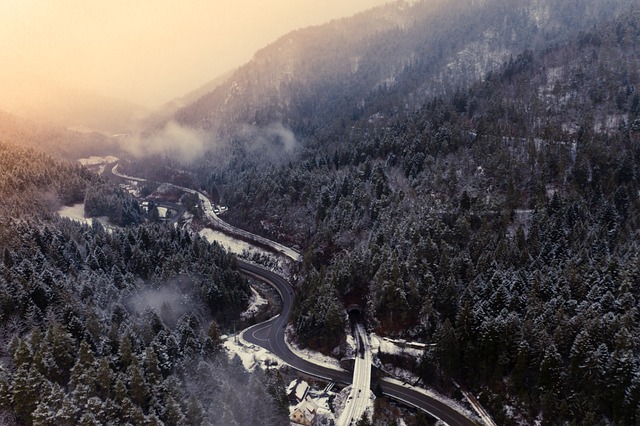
252, 356
94, 160
255, 304
162, 211
246, 250
232, 245
307, 354
76, 213
322, 399
395, 347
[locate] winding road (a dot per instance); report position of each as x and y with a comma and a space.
213, 217
270, 335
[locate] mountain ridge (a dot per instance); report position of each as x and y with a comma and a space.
397, 54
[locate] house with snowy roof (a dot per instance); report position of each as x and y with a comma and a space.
297, 391
305, 413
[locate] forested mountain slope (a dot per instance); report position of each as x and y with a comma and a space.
33, 183
500, 223
57, 141
384, 62
99, 327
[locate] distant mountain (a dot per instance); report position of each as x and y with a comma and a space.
166, 112
57, 141
40, 100
384, 62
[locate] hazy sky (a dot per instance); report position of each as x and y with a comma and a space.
148, 51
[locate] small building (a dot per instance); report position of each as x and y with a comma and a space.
297, 391
305, 413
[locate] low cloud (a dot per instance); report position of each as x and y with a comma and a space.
168, 304
273, 142
184, 144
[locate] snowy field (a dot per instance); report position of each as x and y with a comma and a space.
252, 356
231, 244
395, 347
76, 213
162, 211
94, 160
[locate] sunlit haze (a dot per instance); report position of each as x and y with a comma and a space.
147, 51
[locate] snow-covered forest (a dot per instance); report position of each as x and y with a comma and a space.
125, 324
462, 177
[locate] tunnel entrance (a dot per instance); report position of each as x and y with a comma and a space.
356, 316
356, 313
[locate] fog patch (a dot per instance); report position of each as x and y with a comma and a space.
169, 302
181, 143
273, 143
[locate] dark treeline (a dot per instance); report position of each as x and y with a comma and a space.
118, 206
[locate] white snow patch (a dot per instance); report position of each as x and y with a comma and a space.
396, 347
351, 343
242, 248
307, 354
94, 160
252, 356
76, 213
255, 303
162, 212
232, 245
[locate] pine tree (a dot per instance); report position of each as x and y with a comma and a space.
27, 386
138, 387
173, 415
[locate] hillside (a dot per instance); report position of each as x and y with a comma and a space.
464, 175
384, 63
499, 223
43, 101
99, 325
56, 141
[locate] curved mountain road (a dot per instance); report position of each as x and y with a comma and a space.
270, 335
209, 211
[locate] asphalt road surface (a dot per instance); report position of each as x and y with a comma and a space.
361, 389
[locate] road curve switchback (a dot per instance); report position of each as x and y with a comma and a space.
271, 336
